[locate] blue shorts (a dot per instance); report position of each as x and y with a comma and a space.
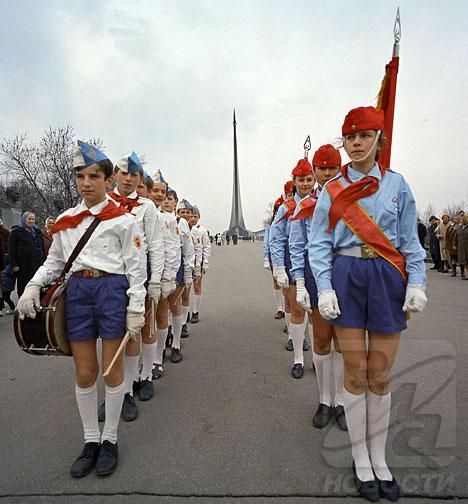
96, 307
310, 284
371, 294
180, 272
288, 264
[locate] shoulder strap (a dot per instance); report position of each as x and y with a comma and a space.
79, 247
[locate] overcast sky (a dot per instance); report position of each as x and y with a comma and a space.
162, 78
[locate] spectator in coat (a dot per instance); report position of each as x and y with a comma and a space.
434, 247
422, 232
449, 242
25, 250
460, 243
440, 231
47, 234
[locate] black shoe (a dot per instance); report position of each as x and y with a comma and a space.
136, 386
367, 489
289, 346
108, 458
170, 337
279, 315
146, 390
129, 408
157, 371
389, 489
322, 416
305, 345
285, 330
84, 464
297, 371
176, 355
194, 318
188, 318
101, 414
433, 268
340, 417
184, 333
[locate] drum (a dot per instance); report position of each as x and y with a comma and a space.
47, 333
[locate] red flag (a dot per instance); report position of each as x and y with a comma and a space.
386, 102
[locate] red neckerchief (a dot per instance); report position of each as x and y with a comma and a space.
355, 191
307, 206
290, 205
110, 211
128, 203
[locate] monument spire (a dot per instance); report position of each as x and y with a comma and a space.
236, 225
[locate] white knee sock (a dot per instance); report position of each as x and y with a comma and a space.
197, 299
296, 333
338, 375
378, 418
114, 401
185, 310
161, 337
323, 368
355, 410
311, 332
278, 300
130, 372
177, 322
287, 317
87, 400
148, 356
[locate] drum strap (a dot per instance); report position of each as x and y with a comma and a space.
78, 248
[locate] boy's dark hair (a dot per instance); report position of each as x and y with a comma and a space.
173, 194
149, 183
105, 166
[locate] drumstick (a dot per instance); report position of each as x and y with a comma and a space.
180, 295
153, 311
117, 354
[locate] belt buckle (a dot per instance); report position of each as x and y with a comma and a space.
367, 252
95, 273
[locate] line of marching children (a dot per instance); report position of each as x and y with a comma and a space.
343, 247
133, 275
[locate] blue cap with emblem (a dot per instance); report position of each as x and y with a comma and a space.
195, 210
130, 164
158, 177
86, 155
184, 204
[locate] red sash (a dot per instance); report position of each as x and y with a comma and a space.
110, 211
307, 207
290, 205
128, 203
367, 230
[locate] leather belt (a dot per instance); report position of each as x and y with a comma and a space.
359, 251
91, 273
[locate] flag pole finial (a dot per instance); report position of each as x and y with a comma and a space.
397, 34
307, 146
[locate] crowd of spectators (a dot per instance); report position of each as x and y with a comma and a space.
447, 241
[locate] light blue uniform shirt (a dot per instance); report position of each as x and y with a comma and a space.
279, 235
298, 236
266, 243
393, 208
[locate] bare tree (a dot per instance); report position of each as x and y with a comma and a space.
44, 172
453, 208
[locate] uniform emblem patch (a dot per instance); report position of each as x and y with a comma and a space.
137, 241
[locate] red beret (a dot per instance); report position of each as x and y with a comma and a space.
279, 202
288, 187
362, 119
327, 155
302, 169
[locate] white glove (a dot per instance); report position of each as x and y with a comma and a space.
188, 279
302, 296
206, 267
154, 291
279, 272
167, 287
328, 305
415, 299
198, 272
266, 264
135, 322
29, 301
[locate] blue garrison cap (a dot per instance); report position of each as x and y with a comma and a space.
158, 177
184, 204
86, 155
195, 210
130, 164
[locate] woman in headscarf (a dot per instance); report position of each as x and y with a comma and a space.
47, 234
25, 250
